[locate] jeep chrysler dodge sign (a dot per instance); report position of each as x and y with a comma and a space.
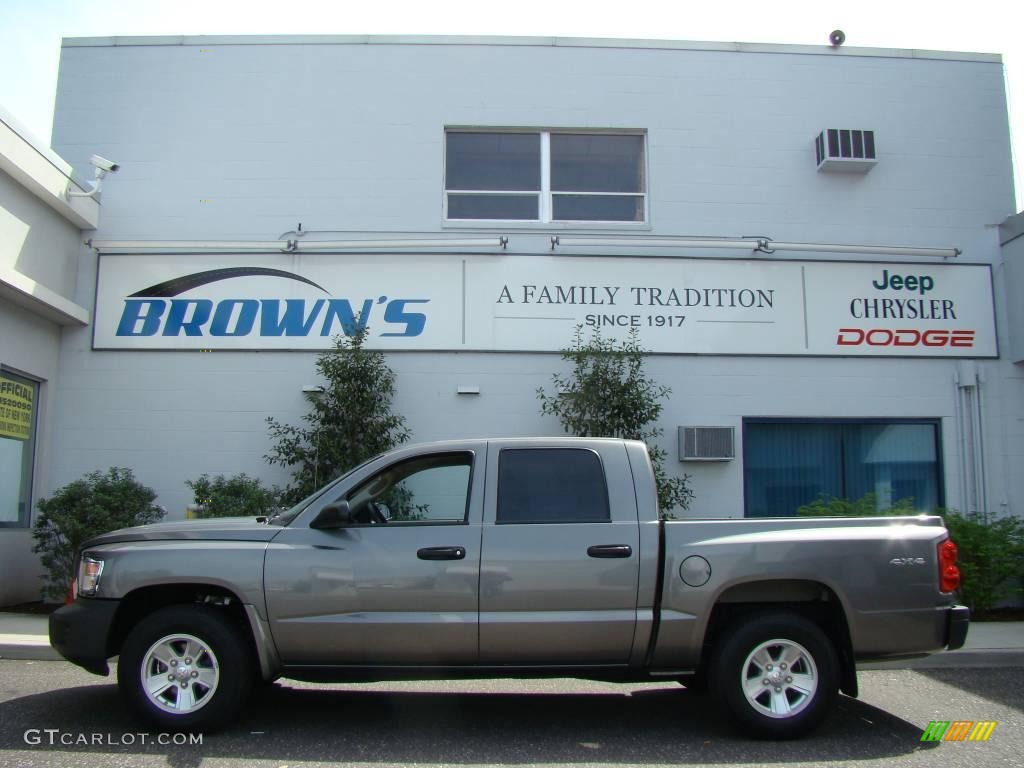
533, 303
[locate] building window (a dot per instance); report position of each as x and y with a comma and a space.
545, 176
19, 399
787, 464
551, 485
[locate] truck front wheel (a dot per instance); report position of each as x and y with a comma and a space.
185, 668
776, 673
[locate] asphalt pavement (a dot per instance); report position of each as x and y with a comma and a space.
55, 715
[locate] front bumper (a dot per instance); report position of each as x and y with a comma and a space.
958, 619
80, 631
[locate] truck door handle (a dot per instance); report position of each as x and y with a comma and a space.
610, 550
441, 553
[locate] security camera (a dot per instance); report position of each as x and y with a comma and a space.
104, 165
837, 38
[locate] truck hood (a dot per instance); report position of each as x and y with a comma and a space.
213, 529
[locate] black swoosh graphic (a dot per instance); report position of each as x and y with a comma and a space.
188, 282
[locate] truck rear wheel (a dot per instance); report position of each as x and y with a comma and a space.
185, 668
776, 673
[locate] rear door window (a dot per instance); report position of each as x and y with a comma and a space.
551, 485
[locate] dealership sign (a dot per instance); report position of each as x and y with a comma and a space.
533, 303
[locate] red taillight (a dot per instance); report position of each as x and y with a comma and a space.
949, 574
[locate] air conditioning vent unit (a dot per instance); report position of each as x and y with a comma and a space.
707, 443
845, 150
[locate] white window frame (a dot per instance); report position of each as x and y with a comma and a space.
545, 207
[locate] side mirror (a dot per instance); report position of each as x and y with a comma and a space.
336, 515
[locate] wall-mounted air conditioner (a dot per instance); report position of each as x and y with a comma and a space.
845, 150
707, 443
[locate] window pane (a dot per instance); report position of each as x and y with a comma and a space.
19, 399
597, 163
504, 207
438, 493
551, 486
493, 161
893, 462
788, 465
598, 208
427, 489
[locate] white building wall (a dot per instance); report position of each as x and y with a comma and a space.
30, 346
40, 248
224, 140
1009, 277
220, 139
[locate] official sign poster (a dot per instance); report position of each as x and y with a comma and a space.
512, 302
15, 409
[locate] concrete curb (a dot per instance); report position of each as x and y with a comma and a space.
25, 636
987, 657
27, 646
28, 651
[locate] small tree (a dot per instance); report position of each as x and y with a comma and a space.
98, 503
237, 496
348, 423
609, 395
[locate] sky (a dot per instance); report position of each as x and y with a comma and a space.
31, 30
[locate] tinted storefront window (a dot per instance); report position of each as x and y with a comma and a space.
18, 415
789, 464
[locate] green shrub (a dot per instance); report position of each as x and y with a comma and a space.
238, 496
991, 555
98, 503
865, 506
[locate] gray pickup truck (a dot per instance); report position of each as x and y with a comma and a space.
509, 558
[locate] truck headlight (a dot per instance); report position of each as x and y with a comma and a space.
89, 572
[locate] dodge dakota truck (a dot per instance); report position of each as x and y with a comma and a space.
508, 558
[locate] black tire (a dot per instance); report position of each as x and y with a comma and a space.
788, 687
212, 686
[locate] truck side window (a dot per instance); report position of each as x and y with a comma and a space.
427, 489
551, 485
